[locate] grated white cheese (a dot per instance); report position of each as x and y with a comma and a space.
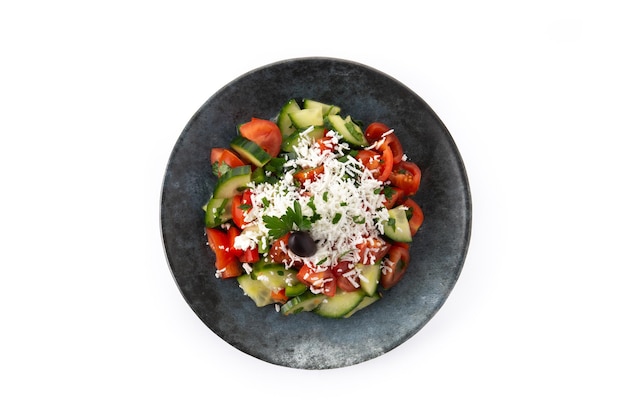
346, 196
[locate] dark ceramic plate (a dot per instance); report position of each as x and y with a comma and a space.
306, 340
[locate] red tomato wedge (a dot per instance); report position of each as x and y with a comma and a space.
372, 250
406, 176
396, 267
308, 174
225, 156
341, 271
396, 197
417, 215
226, 262
377, 131
264, 133
320, 280
239, 208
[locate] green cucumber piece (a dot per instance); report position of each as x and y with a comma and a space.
397, 227
275, 276
233, 182
350, 131
304, 118
326, 108
340, 304
256, 290
371, 277
284, 122
296, 289
367, 300
218, 211
292, 140
304, 302
250, 151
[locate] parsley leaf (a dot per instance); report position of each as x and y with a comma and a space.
220, 168
293, 218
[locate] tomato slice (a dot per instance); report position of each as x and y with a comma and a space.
396, 266
264, 133
232, 270
387, 163
377, 131
372, 250
232, 233
320, 280
225, 261
407, 176
396, 196
341, 271
279, 296
324, 144
416, 215
308, 174
226, 156
374, 132
250, 255
278, 253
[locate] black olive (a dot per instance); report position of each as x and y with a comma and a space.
302, 244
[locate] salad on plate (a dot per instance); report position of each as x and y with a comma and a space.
313, 211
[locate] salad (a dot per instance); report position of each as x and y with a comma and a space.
313, 211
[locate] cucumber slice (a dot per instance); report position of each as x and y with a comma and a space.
367, 300
340, 304
305, 302
284, 122
326, 108
231, 183
256, 290
350, 131
288, 143
218, 211
397, 227
294, 290
275, 276
304, 118
250, 151
371, 277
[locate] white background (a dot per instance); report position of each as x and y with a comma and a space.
93, 96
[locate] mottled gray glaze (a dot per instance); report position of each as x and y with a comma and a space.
307, 341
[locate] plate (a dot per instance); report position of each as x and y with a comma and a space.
307, 341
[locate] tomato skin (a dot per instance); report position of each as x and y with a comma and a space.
319, 280
398, 263
393, 143
232, 233
280, 256
279, 296
237, 211
226, 156
395, 199
264, 133
225, 261
340, 271
407, 176
232, 270
325, 145
250, 255
308, 174
330, 287
223, 156
387, 164
417, 215
374, 132
372, 250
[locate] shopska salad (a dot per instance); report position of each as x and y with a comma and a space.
310, 212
